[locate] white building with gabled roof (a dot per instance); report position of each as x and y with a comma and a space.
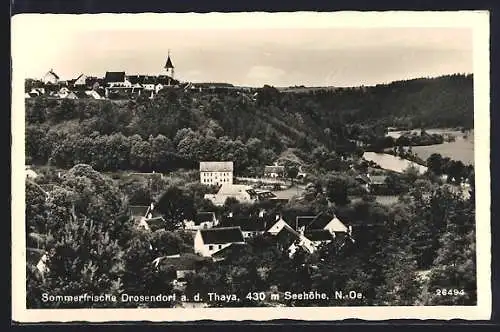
216, 172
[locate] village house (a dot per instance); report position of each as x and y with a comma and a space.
30, 174
147, 217
372, 183
329, 223
252, 229
181, 265
80, 83
202, 220
288, 238
216, 172
209, 241
274, 171
319, 236
242, 193
250, 225
116, 79
66, 93
50, 78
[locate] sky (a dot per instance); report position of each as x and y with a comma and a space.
247, 51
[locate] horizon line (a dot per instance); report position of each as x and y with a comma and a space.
296, 85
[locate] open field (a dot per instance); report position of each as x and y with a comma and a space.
384, 200
461, 149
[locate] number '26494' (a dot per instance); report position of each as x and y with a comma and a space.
448, 292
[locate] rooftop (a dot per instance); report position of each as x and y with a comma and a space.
216, 166
318, 235
201, 217
222, 235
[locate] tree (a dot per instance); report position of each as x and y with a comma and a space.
291, 172
435, 163
336, 190
175, 206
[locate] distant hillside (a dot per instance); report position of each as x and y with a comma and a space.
181, 127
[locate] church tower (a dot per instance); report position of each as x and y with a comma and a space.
169, 67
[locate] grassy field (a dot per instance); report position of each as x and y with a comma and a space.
461, 149
384, 200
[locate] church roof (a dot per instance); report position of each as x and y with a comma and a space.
169, 63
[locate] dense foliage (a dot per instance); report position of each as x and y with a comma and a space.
178, 128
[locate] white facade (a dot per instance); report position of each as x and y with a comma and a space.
191, 224
216, 178
278, 226
93, 94
207, 250
215, 245
249, 234
50, 78
216, 172
336, 226
81, 80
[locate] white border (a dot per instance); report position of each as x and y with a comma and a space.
23, 30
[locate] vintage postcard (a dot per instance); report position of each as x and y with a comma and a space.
251, 166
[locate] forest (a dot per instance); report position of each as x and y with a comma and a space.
178, 128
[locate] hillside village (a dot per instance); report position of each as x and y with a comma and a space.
114, 85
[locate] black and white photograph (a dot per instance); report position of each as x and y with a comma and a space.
317, 166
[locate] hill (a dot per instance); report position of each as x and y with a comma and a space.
178, 127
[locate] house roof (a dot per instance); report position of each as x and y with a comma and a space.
266, 194
114, 76
337, 225
184, 262
233, 189
222, 235
363, 178
156, 223
81, 94
33, 255
149, 80
378, 179
51, 72
169, 63
224, 251
320, 221
288, 229
80, 78
135, 79
318, 235
216, 166
165, 79
247, 223
203, 217
138, 210
274, 169
304, 221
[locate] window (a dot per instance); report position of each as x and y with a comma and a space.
220, 246
210, 247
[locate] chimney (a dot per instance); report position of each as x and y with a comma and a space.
350, 230
278, 217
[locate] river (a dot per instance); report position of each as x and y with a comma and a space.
392, 163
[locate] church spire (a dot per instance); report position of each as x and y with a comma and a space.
169, 66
